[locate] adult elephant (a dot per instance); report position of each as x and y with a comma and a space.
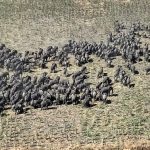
45, 103
107, 89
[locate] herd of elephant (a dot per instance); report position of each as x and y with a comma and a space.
19, 91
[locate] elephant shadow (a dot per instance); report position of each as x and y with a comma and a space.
132, 85
114, 94
136, 72
108, 102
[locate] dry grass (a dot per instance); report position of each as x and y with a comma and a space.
123, 124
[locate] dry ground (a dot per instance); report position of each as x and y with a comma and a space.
125, 123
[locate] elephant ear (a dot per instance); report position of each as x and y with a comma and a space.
19, 105
13, 107
23, 93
